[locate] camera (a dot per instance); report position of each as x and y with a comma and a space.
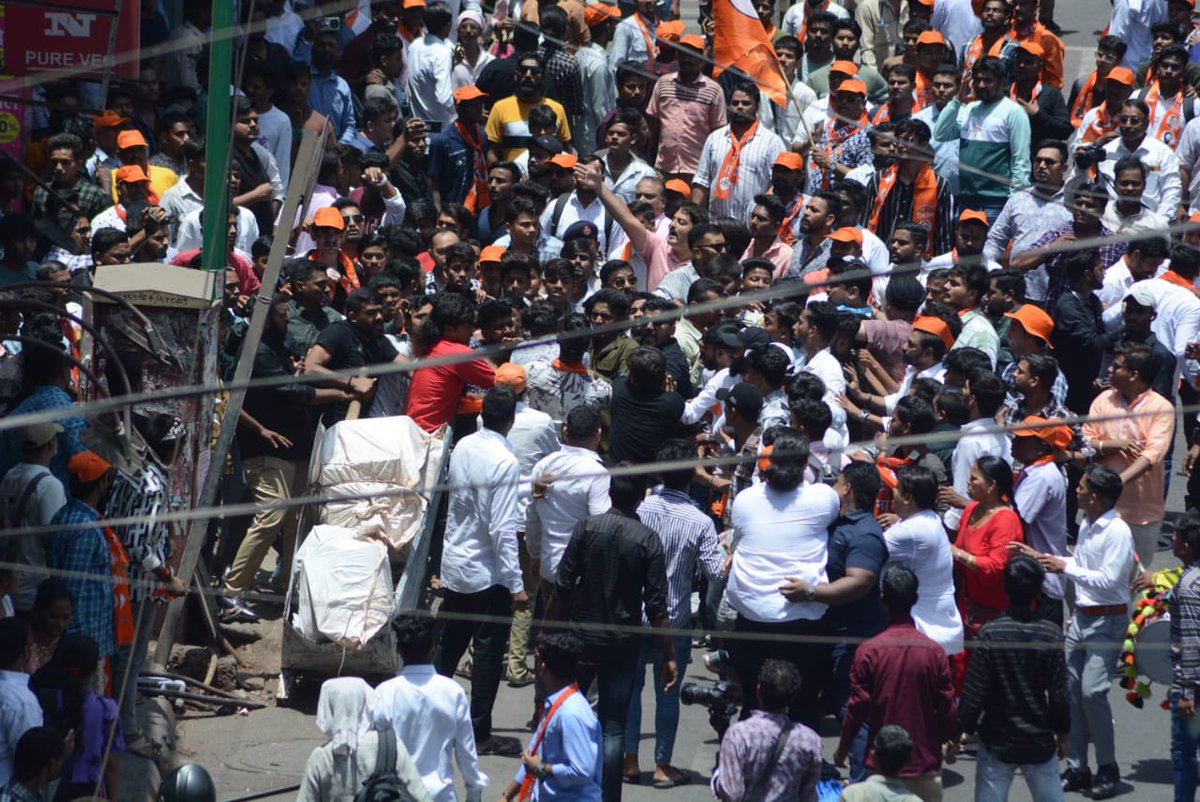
721, 698
1089, 156
329, 24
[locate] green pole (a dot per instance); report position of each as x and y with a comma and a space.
217, 136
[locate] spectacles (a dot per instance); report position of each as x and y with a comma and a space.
354, 218
1129, 119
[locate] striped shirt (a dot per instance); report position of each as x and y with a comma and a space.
1185, 633
687, 112
688, 536
753, 171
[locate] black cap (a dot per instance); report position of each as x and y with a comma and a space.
905, 292
744, 397
752, 336
581, 229
548, 143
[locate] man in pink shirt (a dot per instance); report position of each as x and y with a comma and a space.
687, 106
1130, 426
436, 389
766, 217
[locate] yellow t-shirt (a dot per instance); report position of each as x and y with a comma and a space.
161, 179
508, 125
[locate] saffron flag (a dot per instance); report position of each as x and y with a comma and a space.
740, 41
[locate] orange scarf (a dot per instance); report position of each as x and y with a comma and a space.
785, 228
727, 176
837, 134
1037, 90
803, 33
348, 279
887, 488
1042, 460
528, 781
1171, 125
578, 368
477, 195
1083, 101
973, 53
122, 599
924, 202
650, 48
1172, 277
1102, 124
924, 91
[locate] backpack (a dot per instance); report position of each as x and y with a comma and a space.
384, 785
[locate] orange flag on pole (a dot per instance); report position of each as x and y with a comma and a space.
741, 41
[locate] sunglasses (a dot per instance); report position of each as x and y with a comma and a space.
354, 218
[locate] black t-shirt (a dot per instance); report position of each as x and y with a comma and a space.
284, 408
641, 422
347, 352
856, 541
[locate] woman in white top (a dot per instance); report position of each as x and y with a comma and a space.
336, 771
780, 532
919, 543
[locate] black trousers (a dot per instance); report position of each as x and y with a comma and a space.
491, 642
781, 640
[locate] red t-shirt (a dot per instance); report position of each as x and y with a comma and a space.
435, 390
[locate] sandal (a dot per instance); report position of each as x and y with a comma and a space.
501, 747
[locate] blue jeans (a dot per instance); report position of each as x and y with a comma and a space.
1185, 739
613, 667
837, 693
666, 705
993, 778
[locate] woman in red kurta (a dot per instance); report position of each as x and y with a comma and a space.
988, 525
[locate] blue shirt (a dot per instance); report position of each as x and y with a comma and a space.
571, 745
85, 551
452, 163
330, 95
44, 397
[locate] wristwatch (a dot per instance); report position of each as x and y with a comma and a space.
864, 413
810, 595
543, 771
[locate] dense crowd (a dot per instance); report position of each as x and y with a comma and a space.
872, 393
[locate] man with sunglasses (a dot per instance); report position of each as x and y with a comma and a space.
508, 123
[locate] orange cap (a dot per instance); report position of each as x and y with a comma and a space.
108, 119
465, 93
567, 161
88, 466
790, 160
670, 31
131, 174
414, 3
511, 375
1033, 48
973, 215
600, 12
1035, 322
1195, 218
678, 185
930, 38
131, 139
844, 67
934, 325
847, 234
328, 217
1122, 75
692, 40
491, 253
852, 85
1051, 431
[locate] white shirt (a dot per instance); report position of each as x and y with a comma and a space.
1188, 153
1041, 501
936, 371
629, 43
1102, 562
481, 525
190, 233
1176, 322
920, 544
1131, 21
579, 490
275, 134
624, 185
1118, 280
432, 718
975, 441
753, 170
779, 534
572, 212
109, 218
706, 399
793, 19
19, 713
956, 20
824, 365
1142, 220
47, 498
430, 79
1164, 187
533, 435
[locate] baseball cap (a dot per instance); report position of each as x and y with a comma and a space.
1051, 431
548, 143
1122, 75
844, 67
1035, 322
414, 3
131, 139
934, 325
1032, 48
790, 160
852, 85
581, 229
670, 31
692, 40
930, 38
600, 12
328, 217
567, 161
753, 336
491, 253
465, 93
973, 215
905, 292
37, 435
511, 375
1142, 294
847, 234
744, 397
678, 185
132, 173
88, 466
108, 119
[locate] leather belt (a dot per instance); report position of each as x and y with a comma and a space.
1108, 609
